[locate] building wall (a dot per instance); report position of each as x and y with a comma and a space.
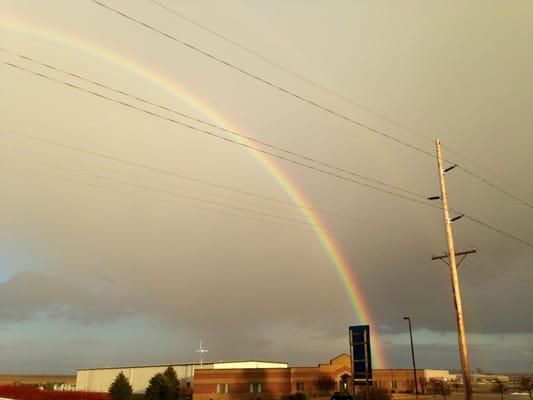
279, 383
398, 380
335, 369
439, 374
99, 379
275, 383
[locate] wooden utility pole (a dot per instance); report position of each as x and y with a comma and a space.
463, 347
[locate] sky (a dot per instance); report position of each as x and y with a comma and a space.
106, 262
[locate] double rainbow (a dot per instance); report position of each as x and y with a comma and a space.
334, 253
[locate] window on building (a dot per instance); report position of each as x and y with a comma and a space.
222, 388
255, 388
299, 386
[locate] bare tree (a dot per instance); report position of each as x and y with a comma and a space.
526, 384
499, 387
423, 384
437, 386
374, 393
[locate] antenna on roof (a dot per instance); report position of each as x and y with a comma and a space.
201, 350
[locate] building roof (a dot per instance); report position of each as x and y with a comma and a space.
180, 364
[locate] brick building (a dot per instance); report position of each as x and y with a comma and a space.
99, 379
277, 383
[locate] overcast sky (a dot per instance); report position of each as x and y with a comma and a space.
101, 263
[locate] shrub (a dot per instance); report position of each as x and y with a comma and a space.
499, 387
437, 386
526, 384
325, 384
374, 393
120, 389
297, 396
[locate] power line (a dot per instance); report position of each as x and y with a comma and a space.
174, 174
167, 183
508, 265
193, 179
320, 170
228, 140
315, 227
264, 81
300, 97
217, 211
523, 275
175, 202
289, 71
497, 275
232, 132
481, 179
493, 228
171, 193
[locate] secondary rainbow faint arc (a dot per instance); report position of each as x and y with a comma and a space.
345, 273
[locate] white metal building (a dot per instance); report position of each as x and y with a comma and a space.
99, 379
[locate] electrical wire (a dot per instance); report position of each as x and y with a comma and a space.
170, 193
492, 185
100, 177
264, 81
197, 180
300, 97
289, 71
497, 274
313, 226
217, 211
167, 183
498, 230
222, 212
232, 132
508, 265
226, 139
203, 131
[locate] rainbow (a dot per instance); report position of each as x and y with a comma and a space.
334, 253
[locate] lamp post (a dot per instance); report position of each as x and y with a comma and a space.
412, 354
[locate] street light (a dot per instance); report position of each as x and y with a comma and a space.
412, 354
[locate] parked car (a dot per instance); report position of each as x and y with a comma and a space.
342, 396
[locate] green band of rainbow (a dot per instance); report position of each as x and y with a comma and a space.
342, 267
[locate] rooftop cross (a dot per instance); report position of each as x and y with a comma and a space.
201, 350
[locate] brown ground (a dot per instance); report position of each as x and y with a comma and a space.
36, 379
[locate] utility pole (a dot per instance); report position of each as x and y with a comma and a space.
463, 347
412, 354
